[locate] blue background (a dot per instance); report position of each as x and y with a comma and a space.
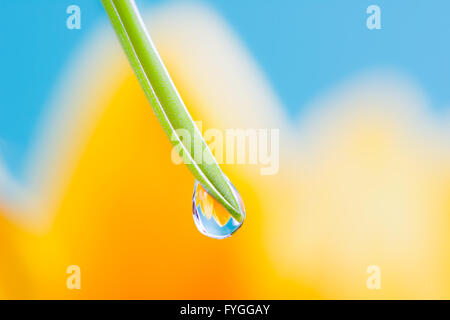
304, 47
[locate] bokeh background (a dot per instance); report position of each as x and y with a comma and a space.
86, 176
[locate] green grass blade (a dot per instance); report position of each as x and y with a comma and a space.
166, 101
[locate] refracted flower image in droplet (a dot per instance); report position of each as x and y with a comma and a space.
210, 217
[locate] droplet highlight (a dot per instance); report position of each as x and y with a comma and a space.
211, 218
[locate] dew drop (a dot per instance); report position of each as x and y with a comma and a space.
210, 217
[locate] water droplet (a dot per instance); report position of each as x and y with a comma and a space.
210, 217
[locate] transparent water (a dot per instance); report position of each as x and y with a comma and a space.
210, 217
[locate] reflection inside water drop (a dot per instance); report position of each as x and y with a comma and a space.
210, 217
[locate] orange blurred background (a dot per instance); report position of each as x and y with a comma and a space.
364, 180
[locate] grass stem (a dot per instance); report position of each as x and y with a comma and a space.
166, 101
